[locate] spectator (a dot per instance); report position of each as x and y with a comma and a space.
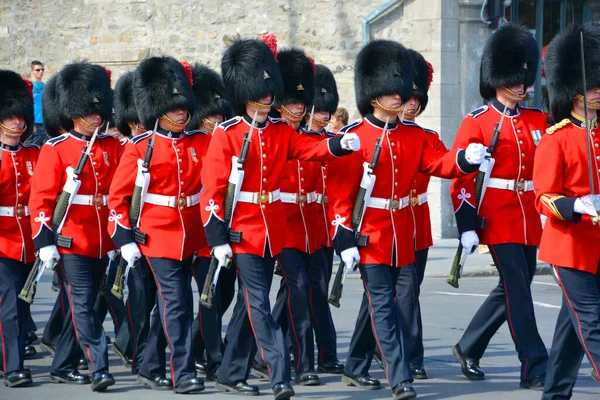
339, 119
37, 73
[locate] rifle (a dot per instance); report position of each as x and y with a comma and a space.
481, 182
364, 193
142, 181
59, 216
236, 178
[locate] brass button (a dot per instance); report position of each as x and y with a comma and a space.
324, 176
97, 174
19, 205
396, 170
264, 192
395, 183
395, 157
182, 183
264, 179
20, 194
179, 150
181, 207
414, 190
19, 217
262, 143
180, 160
393, 143
394, 210
16, 163
518, 131
301, 190
598, 158
263, 206
515, 121
99, 208
264, 156
263, 198
520, 142
94, 163
301, 179
18, 185
595, 145
182, 194
19, 174
264, 167
301, 168
521, 193
99, 183
181, 202
92, 154
414, 201
522, 154
395, 196
181, 171
523, 167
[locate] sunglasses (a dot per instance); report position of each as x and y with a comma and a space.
39, 70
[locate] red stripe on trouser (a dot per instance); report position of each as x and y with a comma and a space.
578, 322
2, 335
61, 293
508, 317
289, 307
113, 314
375, 330
199, 307
159, 287
71, 302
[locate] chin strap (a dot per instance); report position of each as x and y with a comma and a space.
169, 120
590, 103
90, 127
377, 104
510, 92
291, 116
261, 106
13, 131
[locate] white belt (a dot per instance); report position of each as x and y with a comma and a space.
321, 198
388, 204
10, 211
172, 201
90, 200
419, 200
511, 184
258, 198
295, 198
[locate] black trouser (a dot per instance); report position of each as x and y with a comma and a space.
176, 310
13, 314
132, 338
82, 330
57, 315
320, 313
209, 319
511, 300
252, 314
378, 322
108, 303
577, 332
329, 253
416, 352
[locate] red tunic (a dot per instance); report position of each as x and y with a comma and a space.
561, 176
273, 144
323, 215
406, 151
16, 170
85, 224
174, 232
510, 215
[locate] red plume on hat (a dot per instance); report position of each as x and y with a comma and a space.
270, 40
29, 87
429, 75
314, 66
188, 71
109, 72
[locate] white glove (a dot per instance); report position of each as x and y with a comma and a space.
587, 205
348, 256
475, 153
350, 141
130, 253
221, 253
112, 254
47, 254
469, 241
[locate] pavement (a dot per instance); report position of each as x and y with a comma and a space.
446, 313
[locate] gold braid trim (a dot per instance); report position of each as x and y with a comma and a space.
6, 129
558, 126
291, 116
548, 200
90, 127
520, 96
590, 103
209, 123
261, 106
377, 104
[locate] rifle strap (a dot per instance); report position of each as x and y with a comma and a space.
235, 236
361, 240
63, 241
139, 236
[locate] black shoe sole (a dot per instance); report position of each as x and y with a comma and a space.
228, 389
406, 396
259, 374
351, 382
47, 348
103, 385
285, 394
524, 385
20, 382
145, 381
310, 382
463, 366
420, 376
58, 379
190, 389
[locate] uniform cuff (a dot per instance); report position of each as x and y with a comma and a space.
566, 209
463, 164
344, 239
217, 232
122, 236
335, 146
466, 218
44, 238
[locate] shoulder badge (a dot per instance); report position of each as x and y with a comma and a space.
54, 141
475, 113
278, 120
556, 127
351, 125
141, 137
229, 123
531, 108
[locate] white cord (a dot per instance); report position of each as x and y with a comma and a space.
485, 21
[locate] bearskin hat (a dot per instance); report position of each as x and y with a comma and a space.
421, 77
510, 57
54, 121
250, 72
298, 74
125, 110
83, 88
326, 96
563, 66
16, 99
382, 67
211, 96
161, 84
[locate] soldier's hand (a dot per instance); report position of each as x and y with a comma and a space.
350, 141
47, 254
221, 253
475, 153
469, 241
131, 253
589, 205
349, 256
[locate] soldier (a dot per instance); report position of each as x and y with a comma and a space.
561, 177
253, 80
385, 233
79, 240
319, 272
168, 227
513, 227
17, 163
212, 108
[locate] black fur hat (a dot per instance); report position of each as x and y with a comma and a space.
54, 121
211, 96
563, 66
298, 74
382, 67
510, 57
161, 84
250, 72
326, 96
83, 88
421, 78
125, 110
16, 99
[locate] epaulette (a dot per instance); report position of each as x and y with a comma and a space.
330, 134
430, 131
475, 113
195, 131
278, 120
107, 136
54, 141
37, 146
531, 108
310, 131
350, 126
409, 123
141, 137
558, 126
230, 122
